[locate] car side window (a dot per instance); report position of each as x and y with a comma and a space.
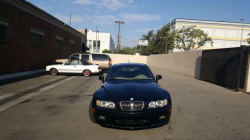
67, 63
79, 63
100, 57
73, 62
85, 57
75, 57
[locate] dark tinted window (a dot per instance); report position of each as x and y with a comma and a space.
85, 57
100, 57
73, 62
2, 33
71, 46
58, 43
36, 40
130, 73
75, 57
84, 62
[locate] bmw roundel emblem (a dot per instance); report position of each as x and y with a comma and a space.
131, 99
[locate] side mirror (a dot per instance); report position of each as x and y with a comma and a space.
101, 78
158, 77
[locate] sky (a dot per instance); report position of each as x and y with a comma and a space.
140, 16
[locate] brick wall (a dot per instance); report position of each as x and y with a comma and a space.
18, 55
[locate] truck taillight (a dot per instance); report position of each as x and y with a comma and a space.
99, 68
109, 63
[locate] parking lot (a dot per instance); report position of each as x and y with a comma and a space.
58, 110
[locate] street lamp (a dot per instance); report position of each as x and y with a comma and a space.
241, 30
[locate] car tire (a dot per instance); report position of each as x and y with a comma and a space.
91, 114
53, 71
86, 73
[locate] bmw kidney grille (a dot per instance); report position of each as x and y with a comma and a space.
132, 106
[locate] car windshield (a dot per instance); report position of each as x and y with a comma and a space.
130, 73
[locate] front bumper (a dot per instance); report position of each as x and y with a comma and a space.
133, 120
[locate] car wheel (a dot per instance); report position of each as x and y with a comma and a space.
53, 71
91, 114
86, 73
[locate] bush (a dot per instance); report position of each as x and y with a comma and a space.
106, 51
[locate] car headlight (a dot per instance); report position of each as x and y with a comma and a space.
105, 104
159, 103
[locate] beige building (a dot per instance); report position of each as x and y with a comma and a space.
224, 34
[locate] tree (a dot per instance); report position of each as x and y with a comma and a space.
248, 40
189, 37
127, 50
106, 51
150, 37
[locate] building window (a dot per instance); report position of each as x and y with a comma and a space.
2, 33
230, 43
36, 37
90, 44
99, 44
59, 42
96, 46
219, 32
208, 31
4, 23
218, 43
36, 40
232, 33
71, 45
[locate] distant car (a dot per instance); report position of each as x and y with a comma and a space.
102, 59
74, 66
130, 98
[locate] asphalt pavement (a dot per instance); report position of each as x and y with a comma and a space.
58, 110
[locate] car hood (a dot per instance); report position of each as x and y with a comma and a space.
125, 90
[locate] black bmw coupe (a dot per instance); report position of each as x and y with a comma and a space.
130, 98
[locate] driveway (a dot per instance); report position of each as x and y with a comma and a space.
201, 110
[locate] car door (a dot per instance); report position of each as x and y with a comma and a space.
69, 67
80, 67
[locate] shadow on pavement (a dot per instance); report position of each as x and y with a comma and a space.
17, 79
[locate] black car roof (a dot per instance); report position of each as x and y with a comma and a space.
129, 64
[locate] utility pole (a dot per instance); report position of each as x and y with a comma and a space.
70, 19
118, 40
96, 38
241, 30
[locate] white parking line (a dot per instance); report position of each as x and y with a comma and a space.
30, 95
